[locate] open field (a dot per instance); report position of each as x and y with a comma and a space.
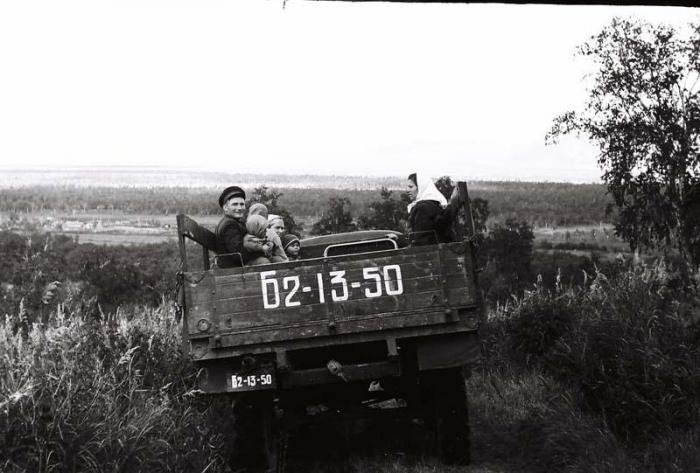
121, 238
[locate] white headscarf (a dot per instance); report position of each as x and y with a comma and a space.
272, 218
427, 191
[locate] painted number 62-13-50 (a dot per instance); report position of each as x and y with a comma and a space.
377, 281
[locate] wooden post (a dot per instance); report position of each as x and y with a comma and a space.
467, 208
181, 240
460, 213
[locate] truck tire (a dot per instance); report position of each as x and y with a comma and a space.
259, 444
444, 396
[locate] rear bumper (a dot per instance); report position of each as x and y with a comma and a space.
216, 375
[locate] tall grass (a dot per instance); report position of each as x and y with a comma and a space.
624, 349
78, 394
602, 377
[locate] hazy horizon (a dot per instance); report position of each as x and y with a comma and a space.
154, 176
323, 88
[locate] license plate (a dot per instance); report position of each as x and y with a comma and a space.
252, 381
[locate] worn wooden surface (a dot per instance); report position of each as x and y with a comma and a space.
435, 279
188, 228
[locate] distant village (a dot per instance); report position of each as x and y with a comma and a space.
84, 224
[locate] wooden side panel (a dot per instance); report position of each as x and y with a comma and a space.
338, 294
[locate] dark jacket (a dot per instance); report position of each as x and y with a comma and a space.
426, 223
229, 239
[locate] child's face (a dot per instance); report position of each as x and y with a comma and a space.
293, 249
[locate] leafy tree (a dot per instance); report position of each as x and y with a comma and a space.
507, 253
445, 185
336, 219
643, 113
270, 198
480, 214
388, 213
479, 206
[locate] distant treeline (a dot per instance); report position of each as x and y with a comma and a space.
537, 203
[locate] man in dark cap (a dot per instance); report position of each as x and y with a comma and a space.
231, 228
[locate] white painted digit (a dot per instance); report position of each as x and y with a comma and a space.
337, 278
321, 295
393, 285
373, 273
288, 302
275, 289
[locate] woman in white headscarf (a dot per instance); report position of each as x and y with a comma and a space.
425, 212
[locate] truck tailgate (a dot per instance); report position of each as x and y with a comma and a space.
338, 295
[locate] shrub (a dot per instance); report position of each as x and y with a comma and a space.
539, 320
628, 342
80, 394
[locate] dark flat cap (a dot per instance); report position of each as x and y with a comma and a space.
232, 191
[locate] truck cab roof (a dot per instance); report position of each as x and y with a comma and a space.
351, 242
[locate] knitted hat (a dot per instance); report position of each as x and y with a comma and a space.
288, 239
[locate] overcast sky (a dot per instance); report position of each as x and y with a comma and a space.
315, 87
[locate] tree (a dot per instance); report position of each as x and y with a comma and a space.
336, 219
445, 185
480, 214
270, 198
479, 207
643, 113
387, 213
507, 253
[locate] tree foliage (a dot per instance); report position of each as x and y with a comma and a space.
479, 206
445, 185
270, 198
336, 219
387, 213
643, 113
507, 253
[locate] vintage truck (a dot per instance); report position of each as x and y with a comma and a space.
361, 319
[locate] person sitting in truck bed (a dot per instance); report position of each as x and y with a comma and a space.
231, 229
426, 216
276, 223
257, 242
291, 246
273, 247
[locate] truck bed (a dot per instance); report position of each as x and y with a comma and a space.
399, 293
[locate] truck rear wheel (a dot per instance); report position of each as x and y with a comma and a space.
444, 398
259, 441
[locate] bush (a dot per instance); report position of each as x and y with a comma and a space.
628, 342
80, 394
539, 320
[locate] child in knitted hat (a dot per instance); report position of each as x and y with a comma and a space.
272, 245
255, 240
291, 246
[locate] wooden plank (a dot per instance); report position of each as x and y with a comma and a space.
335, 340
251, 285
284, 319
315, 266
288, 316
379, 322
248, 284
191, 229
308, 283
247, 302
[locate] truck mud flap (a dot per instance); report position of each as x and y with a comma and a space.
447, 351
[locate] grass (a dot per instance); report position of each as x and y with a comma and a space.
116, 394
